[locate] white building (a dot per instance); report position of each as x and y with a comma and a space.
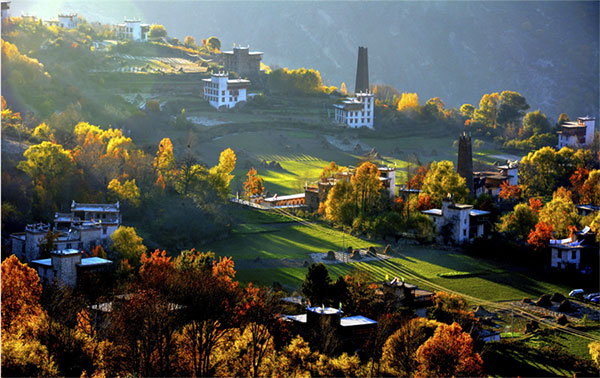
356, 111
5, 8
457, 222
133, 30
579, 252
66, 265
220, 91
67, 20
577, 134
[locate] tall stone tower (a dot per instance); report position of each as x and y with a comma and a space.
465, 160
362, 71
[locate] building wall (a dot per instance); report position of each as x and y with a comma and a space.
68, 22
218, 94
561, 258
358, 118
66, 268
32, 245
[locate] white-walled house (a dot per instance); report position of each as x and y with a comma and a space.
458, 222
67, 20
133, 30
356, 111
580, 252
65, 266
220, 91
577, 134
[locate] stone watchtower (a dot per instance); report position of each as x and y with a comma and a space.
362, 71
465, 160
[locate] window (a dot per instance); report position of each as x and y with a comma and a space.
465, 220
68, 246
104, 231
465, 232
223, 93
573, 255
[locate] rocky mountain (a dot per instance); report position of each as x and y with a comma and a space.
548, 51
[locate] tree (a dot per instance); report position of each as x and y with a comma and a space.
317, 284
467, 110
157, 31
190, 42
560, 213
408, 102
366, 186
254, 184
21, 292
594, 348
416, 182
343, 89
214, 43
399, 353
127, 191
509, 192
47, 164
331, 170
512, 107
540, 237
434, 108
536, 123
164, 162
520, 221
487, 113
340, 206
590, 190
562, 118
129, 246
441, 179
248, 353
448, 353
220, 175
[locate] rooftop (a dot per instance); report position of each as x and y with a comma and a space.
284, 198
296, 318
66, 252
436, 212
353, 321
44, 262
324, 310
97, 207
476, 212
91, 261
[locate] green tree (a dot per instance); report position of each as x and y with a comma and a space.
157, 31
487, 113
317, 284
434, 108
520, 221
129, 246
441, 179
214, 43
512, 107
536, 123
128, 191
560, 213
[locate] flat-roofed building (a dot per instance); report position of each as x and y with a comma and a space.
65, 266
222, 92
356, 111
133, 30
242, 61
577, 134
68, 20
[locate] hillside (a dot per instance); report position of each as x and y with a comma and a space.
472, 47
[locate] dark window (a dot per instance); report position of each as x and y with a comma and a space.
573, 255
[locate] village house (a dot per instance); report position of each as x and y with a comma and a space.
577, 134
132, 30
403, 294
579, 252
220, 91
5, 8
67, 266
489, 182
86, 226
356, 111
242, 61
353, 331
65, 20
458, 223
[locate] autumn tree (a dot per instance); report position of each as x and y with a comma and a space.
339, 206
441, 179
399, 353
366, 186
247, 354
330, 170
343, 89
408, 102
21, 290
128, 191
560, 213
540, 236
128, 244
190, 42
449, 353
214, 43
590, 190
467, 110
520, 221
434, 108
509, 192
296, 360
220, 175
164, 162
487, 113
416, 182
253, 184
157, 31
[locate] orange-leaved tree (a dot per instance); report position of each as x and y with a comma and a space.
540, 237
508, 191
449, 353
254, 184
21, 292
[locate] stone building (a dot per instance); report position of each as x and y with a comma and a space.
489, 182
86, 226
66, 266
242, 61
222, 92
577, 134
464, 167
356, 111
362, 71
579, 252
458, 223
